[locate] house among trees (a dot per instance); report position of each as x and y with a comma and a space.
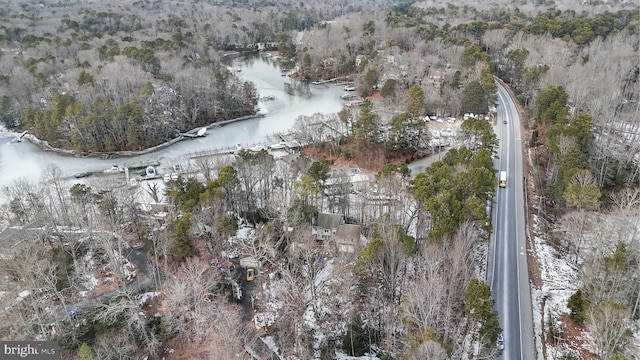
332, 228
436, 80
347, 238
326, 226
358, 180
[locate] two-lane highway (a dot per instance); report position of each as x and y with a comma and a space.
508, 273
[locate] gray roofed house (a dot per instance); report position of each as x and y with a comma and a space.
327, 225
331, 227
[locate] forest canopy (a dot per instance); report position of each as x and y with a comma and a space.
62, 63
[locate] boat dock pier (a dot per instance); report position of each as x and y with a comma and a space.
286, 144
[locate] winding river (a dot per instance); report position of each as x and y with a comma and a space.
26, 160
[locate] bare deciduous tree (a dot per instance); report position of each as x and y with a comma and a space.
609, 324
627, 199
429, 349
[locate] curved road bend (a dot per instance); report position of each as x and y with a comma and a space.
509, 278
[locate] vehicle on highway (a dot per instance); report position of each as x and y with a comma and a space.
504, 121
500, 342
251, 274
503, 179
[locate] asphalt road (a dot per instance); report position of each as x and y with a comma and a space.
508, 274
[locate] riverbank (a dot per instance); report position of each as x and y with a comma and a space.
44, 145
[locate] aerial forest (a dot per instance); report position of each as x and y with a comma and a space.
98, 77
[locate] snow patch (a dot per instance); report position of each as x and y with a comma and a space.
264, 319
146, 296
321, 277
129, 271
244, 233
89, 281
271, 344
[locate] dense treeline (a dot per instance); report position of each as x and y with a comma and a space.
581, 28
62, 66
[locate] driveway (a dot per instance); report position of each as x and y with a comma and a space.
418, 166
248, 288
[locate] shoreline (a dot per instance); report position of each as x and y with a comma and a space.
44, 145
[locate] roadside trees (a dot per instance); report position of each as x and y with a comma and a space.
609, 288
582, 193
474, 98
551, 105
457, 188
408, 134
609, 323
478, 134
479, 307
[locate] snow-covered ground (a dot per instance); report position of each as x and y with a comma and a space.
89, 280
560, 280
147, 296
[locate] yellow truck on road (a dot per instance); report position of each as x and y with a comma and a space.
503, 179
